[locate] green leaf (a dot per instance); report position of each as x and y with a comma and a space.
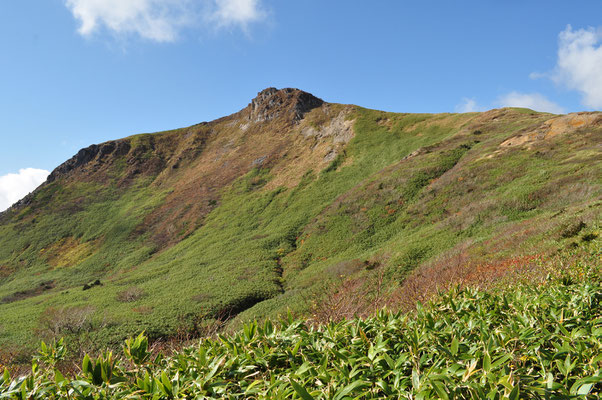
251, 388
296, 348
97, 373
166, 384
86, 364
58, 377
214, 367
585, 389
455, 344
371, 352
301, 391
514, 394
440, 389
486, 362
349, 388
303, 369
384, 386
584, 385
502, 360
415, 379
389, 361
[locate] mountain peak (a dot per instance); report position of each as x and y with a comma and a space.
291, 103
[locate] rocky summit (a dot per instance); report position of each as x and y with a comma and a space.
291, 104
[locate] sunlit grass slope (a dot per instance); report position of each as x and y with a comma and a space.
252, 215
538, 341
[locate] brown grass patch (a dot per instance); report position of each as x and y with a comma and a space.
428, 281
55, 322
130, 294
6, 270
143, 309
349, 297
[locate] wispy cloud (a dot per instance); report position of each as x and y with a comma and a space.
161, 20
468, 105
14, 187
237, 12
534, 101
579, 64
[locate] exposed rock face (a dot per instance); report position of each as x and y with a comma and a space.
339, 129
83, 157
88, 154
291, 103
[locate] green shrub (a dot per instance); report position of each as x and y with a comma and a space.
535, 342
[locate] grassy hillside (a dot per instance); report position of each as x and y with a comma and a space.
540, 340
257, 213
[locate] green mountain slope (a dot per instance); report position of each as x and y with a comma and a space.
252, 214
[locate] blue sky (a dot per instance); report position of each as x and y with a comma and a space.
77, 72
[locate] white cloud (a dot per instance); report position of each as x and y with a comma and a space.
151, 19
467, 105
534, 101
161, 20
578, 67
579, 64
14, 187
237, 12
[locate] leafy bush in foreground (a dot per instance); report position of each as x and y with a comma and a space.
536, 342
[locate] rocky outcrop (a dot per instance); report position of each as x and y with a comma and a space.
84, 156
340, 129
288, 103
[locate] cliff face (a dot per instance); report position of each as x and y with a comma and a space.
290, 104
253, 213
92, 153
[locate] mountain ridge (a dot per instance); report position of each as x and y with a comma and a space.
292, 100
253, 213
268, 104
